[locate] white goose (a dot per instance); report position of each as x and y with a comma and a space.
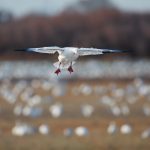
68, 55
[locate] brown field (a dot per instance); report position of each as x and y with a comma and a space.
97, 124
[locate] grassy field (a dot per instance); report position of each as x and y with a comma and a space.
97, 124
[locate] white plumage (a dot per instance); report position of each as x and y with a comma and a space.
81, 131
68, 55
112, 128
126, 129
44, 129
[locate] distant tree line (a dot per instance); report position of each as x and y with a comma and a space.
5, 17
100, 29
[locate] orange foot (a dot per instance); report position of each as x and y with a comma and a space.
70, 69
57, 71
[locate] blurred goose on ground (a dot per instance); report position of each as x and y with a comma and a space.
126, 129
68, 132
44, 129
68, 55
112, 128
56, 110
21, 129
145, 134
81, 131
87, 110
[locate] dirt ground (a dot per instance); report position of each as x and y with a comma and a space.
97, 124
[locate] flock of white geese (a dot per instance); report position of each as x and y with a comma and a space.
26, 102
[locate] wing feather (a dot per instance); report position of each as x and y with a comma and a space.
49, 50
95, 51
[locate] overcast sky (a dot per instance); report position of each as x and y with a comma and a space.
133, 5
23, 7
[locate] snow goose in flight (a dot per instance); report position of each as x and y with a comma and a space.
68, 55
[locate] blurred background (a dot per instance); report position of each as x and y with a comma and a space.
104, 104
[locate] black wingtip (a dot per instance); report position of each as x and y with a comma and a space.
121, 51
21, 49
116, 51
25, 50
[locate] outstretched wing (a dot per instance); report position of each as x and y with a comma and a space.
48, 50
95, 51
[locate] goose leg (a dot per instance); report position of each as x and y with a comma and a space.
58, 71
70, 69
